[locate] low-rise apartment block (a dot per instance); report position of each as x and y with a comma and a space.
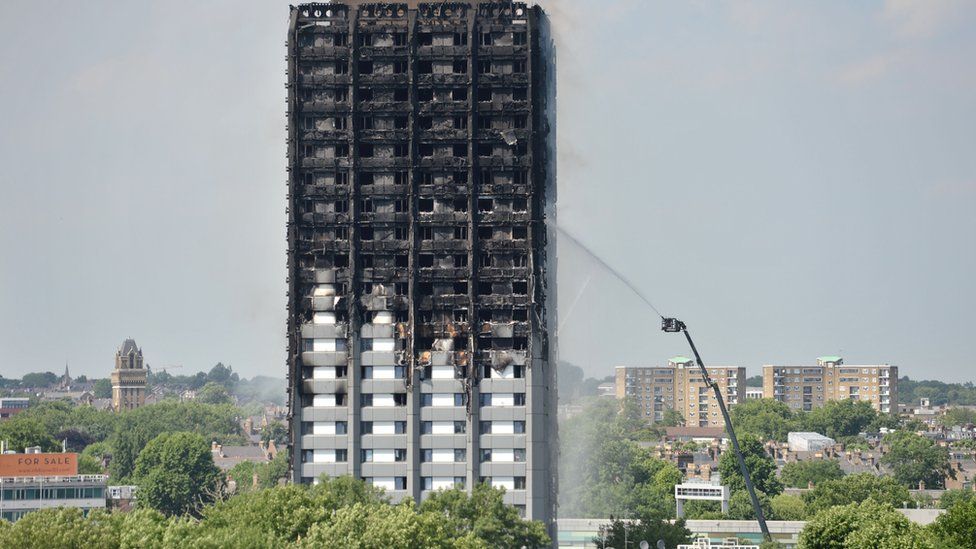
35, 480
809, 387
679, 386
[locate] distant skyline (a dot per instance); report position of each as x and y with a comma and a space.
791, 179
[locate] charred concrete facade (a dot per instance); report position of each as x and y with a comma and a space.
421, 265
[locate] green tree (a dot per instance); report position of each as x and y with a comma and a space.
274, 471
840, 419
957, 526
613, 475
88, 465
703, 510
21, 431
102, 388
890, 422
39, 379
286, 512
62, 528
800, 474
671, 418
913, 459
623, 533
953, 497
222, 375
214, 393
740, 506
276, 431
866, 525
143, 529
958, 416
74, 439
569, 380
938, 392
484, 515
243, 476
364, 526
754, 381
97, 451
766, 419
856, 488
788, 507
268, 474
135, 428
762, 468
176, 474
81, 425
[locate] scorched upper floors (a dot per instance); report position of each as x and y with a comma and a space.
417, 248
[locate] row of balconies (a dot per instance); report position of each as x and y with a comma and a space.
420, 80
328, 52
398, 136
507, 106
323, 246
323, 191
323, 53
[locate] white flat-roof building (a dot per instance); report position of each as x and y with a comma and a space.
34, 480
702, 491
808, 442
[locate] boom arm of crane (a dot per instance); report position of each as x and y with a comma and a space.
673, 325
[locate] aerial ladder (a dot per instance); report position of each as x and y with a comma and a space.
673, 325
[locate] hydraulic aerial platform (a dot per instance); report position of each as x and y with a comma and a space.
673, 325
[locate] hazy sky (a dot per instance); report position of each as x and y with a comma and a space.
791, 179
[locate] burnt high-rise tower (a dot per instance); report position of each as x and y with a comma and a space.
421, 266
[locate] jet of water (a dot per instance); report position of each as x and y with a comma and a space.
606, 266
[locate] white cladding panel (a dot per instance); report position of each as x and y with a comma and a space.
506, 373
324, 345
323, 290
324, 400
384, 428
503, 427
323, 456
383, 400
384, 372
506, 455
384, 344
442, 455
383, 455
442, 428
324, 372
502, 399
442, 372
442, 399
507, 483
442, 483
324, 428
386, 483
323, 317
